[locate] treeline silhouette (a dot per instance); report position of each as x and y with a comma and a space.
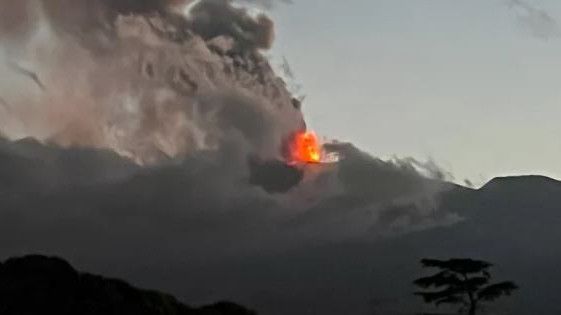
48, 285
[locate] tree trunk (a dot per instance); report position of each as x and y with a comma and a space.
472, 300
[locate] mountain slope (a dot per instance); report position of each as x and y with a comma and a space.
170, 228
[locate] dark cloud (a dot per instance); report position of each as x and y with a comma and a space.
28, 165
208, 18
213, 18
274, 176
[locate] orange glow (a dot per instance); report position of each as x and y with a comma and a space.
306, 148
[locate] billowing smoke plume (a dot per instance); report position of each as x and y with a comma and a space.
188, 91
157, 137
539, 22
147, 82
214, 18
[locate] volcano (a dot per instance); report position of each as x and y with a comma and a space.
173, 237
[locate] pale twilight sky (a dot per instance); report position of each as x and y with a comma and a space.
464, 82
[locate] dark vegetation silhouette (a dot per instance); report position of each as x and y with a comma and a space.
462, 282
46, 285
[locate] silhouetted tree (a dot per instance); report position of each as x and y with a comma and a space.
463, 282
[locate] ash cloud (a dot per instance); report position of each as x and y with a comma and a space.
539, 22
158, 139
192, 98
16, 19
213, 18
149, 83
207, 200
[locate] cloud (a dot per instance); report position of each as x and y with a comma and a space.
212, 18
539, 22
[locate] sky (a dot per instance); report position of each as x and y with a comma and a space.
472, 85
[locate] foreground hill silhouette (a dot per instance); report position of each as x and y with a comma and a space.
46, 285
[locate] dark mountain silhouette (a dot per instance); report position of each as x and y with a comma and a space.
84, 205
512, 221
47, 285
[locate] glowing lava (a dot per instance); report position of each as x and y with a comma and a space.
305, 148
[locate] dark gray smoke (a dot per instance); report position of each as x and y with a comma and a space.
213, 18
206, 200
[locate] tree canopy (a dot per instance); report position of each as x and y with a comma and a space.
463, 282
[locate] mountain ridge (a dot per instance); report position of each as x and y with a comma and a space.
534, 179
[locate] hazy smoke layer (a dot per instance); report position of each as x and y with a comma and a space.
207, 198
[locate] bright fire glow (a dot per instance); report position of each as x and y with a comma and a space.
306, 148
